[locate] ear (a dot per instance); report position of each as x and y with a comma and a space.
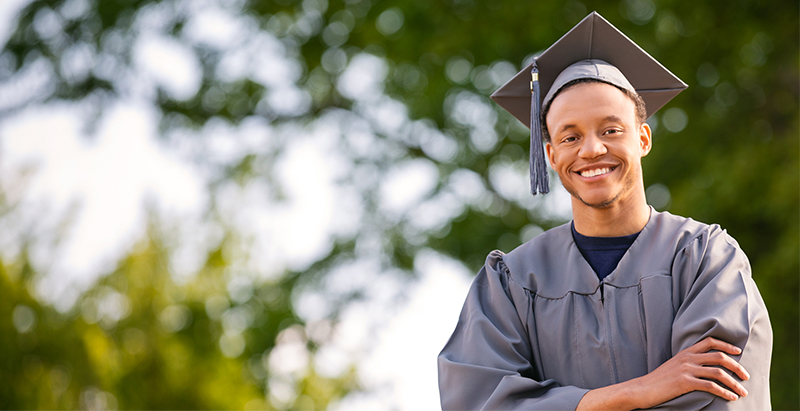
548, 148
645, 138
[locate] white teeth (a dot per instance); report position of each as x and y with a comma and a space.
595, 172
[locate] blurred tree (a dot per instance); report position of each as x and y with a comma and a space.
726, 152
138, 340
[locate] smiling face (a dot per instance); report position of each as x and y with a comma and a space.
596, 145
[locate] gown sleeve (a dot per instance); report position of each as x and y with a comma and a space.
716, 297
486, 362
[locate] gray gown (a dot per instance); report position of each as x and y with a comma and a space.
538, 329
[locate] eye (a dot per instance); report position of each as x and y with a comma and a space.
569, 139
612, 131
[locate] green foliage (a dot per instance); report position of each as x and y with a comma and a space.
728, 154
138, 340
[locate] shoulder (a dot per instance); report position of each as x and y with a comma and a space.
700, 252
536, 264
493, 269
686, 233
554, 238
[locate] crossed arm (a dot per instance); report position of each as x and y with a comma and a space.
693, 369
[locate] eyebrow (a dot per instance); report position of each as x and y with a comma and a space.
612, 118
567, 127
608, 119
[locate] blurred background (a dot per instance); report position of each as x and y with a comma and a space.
280, 204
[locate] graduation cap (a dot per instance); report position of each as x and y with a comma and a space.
592, 49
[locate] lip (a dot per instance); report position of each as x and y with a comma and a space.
597, 166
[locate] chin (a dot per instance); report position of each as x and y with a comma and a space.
595, 201
600, 204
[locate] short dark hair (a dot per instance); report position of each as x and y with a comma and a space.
641, 110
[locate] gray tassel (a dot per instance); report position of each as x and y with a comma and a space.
539, 180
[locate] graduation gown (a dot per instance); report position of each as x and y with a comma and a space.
539, 329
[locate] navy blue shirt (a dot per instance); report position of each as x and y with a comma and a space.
602, 253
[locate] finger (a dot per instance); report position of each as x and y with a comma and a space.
716, 389
711, 343
720, 376
725, 347
723, 360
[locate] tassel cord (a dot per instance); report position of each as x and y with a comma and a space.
538, 165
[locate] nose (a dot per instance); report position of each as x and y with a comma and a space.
592, 146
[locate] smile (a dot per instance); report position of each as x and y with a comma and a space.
596, 172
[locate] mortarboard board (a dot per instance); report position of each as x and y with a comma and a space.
592, 49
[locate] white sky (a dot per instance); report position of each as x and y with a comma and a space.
404, 357
100, 183
8, 11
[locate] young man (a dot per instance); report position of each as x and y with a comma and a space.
624, 308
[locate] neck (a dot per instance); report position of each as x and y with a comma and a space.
614, 221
